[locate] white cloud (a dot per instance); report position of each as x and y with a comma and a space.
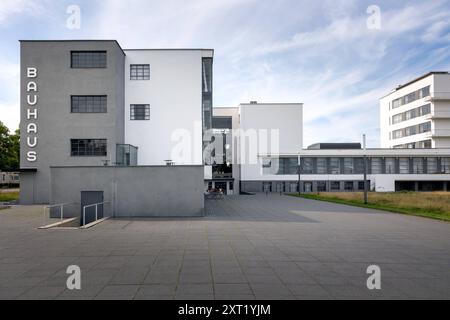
436, 32
14, 8
352, 30
10, 94
319, 53
159, 23
10, 114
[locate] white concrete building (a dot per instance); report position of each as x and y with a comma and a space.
417, 114
263, 151
165, 84
337, 169
278, 129
99, 124
248, 130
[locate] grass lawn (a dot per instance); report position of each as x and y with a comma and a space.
9, 196
434, 205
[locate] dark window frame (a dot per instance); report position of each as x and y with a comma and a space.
333, 185
103, 99
412, 130
411, 97
133, 112
92, 58
349, 186
138, 75
93, 147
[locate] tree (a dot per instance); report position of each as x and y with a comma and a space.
4, 145
14, 158
9, 148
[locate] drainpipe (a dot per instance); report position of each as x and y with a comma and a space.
299, 174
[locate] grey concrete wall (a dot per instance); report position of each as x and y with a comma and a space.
27, 187
56, 124
161, 191
251, 186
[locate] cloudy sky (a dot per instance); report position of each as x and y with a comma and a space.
321, 53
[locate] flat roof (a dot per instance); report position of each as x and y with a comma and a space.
78, 40
334, 146
118, 44
271, 103
399, 87
374, 152
420, 78
167, 49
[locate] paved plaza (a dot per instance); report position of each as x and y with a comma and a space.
247, 247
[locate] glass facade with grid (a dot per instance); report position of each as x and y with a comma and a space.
140, 72
88, 104
88, 147
355, 165
140, 112
88, 59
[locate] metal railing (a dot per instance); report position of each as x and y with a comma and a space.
440, 132
439, 96
61, 209
96, 210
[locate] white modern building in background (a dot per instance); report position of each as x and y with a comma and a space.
337, 167
417, 114
262, 151
247, 131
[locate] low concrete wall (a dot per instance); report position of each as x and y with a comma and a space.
144, 191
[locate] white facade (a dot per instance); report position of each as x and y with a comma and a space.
420, 121
174, 93
268, 140
257, 128
267, 128
378, 182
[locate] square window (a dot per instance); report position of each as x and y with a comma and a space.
140, 112
140, 72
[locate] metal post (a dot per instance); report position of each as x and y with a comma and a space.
84, 216
299, 175
96, 207
62, 212
365, 169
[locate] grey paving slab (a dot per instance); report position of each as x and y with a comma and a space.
247, 247
228, 289
41, 293
86, 292
121, 292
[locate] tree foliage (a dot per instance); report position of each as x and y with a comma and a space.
9, 148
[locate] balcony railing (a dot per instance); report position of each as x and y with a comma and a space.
444, 114
222, 175
435, 96
440, 133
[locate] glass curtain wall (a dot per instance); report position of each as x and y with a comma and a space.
207, 98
